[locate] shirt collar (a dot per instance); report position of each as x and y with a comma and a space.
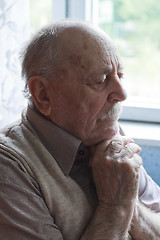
62, 145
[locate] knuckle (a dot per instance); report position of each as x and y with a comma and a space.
115, 146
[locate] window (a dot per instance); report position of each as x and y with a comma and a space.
134, 26
40, 14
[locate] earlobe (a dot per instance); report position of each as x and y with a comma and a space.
38, 87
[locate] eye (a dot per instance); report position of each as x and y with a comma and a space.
102, 80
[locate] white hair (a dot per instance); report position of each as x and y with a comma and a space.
41, 55
46, 50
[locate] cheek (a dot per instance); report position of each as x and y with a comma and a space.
92, 111
97, 105
69, 107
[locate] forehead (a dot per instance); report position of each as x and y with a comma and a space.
88, 49
112, 59
85, 39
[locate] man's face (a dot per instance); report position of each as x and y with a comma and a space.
86, 95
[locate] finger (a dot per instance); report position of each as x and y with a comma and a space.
126, 140
136, 161
101, 147
130, 149
118, 143
115, 143
115, 146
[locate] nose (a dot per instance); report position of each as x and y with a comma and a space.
117, 93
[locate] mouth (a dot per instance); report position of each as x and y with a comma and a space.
112, 113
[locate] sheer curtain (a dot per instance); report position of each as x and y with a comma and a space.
14, 31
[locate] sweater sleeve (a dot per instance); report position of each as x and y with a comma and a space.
149, 191
23, 212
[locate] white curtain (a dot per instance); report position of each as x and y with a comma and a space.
14, 31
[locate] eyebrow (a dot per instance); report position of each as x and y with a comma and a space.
104, 71
97, 74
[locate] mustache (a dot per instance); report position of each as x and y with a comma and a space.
113, 112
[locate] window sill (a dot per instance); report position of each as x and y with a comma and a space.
143, 133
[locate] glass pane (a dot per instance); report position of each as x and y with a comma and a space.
134, 26
40, 14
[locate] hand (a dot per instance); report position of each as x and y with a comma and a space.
115, 167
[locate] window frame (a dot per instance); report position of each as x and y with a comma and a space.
140, 114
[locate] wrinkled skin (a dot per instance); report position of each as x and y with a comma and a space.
88, 86
84, 99
116, 170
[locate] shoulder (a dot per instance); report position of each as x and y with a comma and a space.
22, 206
12, 174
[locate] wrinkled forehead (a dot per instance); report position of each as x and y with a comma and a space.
113, 58
89, 47
85, 38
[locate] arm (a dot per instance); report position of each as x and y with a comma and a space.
23, 212
145, 223
109, 224
115, 171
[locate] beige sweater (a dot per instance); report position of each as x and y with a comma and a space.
64, 198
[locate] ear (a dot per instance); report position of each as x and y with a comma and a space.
38, 87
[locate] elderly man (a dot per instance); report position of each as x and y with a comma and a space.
66, 173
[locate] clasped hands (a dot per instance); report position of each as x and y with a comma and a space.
115, 165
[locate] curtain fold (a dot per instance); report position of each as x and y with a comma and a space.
14, 32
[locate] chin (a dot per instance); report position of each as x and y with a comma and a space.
108, 132
112, 132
